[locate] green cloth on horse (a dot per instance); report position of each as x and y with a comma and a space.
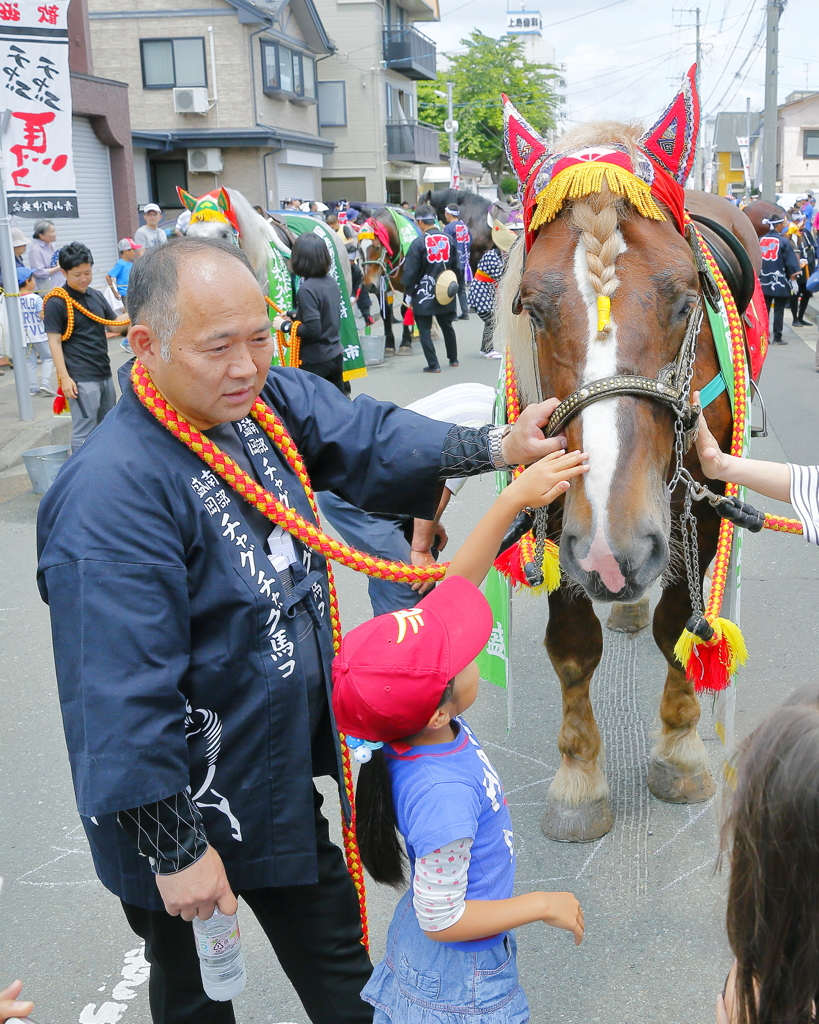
407, 230
353, 356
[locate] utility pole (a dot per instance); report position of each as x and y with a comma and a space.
451, 128
773, 10
698, 182
13, 309
749, 182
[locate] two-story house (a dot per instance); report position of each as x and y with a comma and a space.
367, 99
222, 92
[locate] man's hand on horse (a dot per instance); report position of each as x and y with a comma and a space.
197, 889
525, 443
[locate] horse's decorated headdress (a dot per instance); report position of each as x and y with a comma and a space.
656, 175
211, 206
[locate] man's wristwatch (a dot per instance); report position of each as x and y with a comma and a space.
495, 438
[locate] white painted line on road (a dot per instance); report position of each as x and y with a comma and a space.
537, 782
699, 867
595, 850
134, 972
515, 753
691, 819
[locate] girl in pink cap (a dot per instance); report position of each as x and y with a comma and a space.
400, 685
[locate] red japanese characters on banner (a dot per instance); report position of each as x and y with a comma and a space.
37, 90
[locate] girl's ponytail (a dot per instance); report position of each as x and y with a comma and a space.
379, 843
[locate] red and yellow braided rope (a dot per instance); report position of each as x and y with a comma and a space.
290, 346
71, 305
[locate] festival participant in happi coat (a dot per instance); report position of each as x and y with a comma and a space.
779, 267
459, 233
192, 637
75, 322
430, 283
805, 245
484, 289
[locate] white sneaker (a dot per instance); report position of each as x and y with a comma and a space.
491, 355
47, 389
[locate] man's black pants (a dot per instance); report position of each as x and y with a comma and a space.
315, 931
330, 369
445, 321
779, 302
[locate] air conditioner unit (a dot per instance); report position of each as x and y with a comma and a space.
205, 161
191, 101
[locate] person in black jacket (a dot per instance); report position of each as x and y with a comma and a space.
428, 257
779, 267
318, 307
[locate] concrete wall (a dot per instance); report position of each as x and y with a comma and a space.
795, 172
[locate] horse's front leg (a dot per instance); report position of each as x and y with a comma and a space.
578, 802
678, 769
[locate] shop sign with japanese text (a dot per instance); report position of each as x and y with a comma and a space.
37, 91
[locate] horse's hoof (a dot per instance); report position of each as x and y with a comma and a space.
674, 787
405, 350
389, 350
629, 618
581, 824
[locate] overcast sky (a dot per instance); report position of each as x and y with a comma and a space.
627, 60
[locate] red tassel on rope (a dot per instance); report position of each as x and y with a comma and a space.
708, 667
60, 403
509, 564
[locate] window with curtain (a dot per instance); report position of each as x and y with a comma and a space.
286, 71
169, 63
811, 144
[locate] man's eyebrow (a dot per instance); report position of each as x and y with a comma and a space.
218, 335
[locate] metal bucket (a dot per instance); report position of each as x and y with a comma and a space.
43, 465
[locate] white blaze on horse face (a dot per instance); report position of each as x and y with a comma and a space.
599, 428
364, 246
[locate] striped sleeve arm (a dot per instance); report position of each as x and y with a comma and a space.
439, 885
805, 499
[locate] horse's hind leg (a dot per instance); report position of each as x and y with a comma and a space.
578, 803
678, 769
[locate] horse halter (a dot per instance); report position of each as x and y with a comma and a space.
671, 385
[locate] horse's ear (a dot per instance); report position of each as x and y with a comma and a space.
223, 200
672, 141
524, 147
187, 200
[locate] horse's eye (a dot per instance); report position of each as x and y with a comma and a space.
536, 320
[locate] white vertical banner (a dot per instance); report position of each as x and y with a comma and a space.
455, 170
744, 152
709, 174
37, 92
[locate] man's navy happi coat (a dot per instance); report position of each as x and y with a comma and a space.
175, 660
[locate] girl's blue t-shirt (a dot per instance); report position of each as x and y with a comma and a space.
450, 791
120, 273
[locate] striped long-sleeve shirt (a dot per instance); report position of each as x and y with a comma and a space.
805, 499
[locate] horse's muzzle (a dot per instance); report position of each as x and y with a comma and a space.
616, 573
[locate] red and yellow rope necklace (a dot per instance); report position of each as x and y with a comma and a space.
289, 346
71, 305
309, 533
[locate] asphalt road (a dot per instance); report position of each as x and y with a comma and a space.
654, 952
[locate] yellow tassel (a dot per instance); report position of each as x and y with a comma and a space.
204, 215
732, 634
603, 313
550, 566
584, 179
709, 664
684, 646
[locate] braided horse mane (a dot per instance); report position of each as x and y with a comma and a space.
595, 220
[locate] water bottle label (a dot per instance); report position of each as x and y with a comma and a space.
217, 945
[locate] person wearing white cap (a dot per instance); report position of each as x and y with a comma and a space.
150, 235
19, 244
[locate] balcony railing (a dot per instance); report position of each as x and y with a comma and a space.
409, 52
413, 142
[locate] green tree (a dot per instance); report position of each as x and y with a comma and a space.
488, 68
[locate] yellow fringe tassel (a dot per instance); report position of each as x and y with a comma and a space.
586, 178
603, 313
723, 629
550, 567
205, 215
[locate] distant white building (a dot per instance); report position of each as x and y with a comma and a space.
526, 25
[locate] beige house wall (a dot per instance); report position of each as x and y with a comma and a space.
241, 101
795, 172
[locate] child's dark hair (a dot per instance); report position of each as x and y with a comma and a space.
772, 840
74, 255
310, 256
379, 842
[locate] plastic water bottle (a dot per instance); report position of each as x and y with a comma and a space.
221, 959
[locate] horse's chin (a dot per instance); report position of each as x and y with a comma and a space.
596, 590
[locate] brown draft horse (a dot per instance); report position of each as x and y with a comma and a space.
618, 526
378, 264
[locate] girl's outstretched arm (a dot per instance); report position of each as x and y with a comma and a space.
538, 485
490, 917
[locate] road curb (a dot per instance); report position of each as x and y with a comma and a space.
53, 431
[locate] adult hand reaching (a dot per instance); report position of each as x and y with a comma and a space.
196, 890
525, 442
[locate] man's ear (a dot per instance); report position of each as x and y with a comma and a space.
145, 345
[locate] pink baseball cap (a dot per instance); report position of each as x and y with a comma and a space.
128, 243
391, 672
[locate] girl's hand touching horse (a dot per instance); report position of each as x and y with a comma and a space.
545, 480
